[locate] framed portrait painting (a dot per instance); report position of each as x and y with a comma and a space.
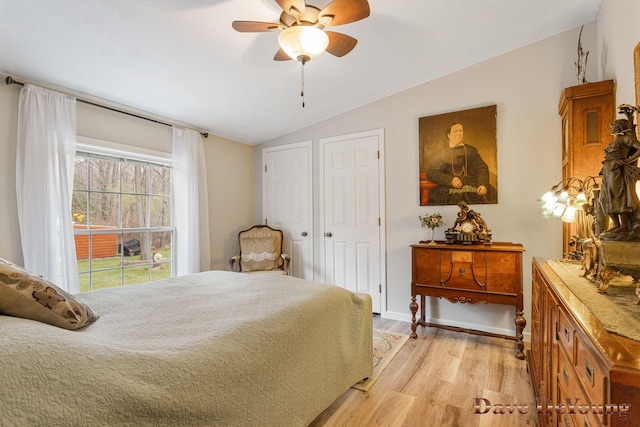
458, 157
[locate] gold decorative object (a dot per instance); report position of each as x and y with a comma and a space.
468, 228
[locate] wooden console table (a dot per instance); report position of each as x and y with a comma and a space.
468, 274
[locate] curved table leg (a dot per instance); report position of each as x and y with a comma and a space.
521, 322
414, 309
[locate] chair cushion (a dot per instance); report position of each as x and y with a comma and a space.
26, 295
260, 249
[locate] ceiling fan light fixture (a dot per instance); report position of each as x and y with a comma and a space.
303, 42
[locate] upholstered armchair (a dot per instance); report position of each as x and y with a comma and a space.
260, 251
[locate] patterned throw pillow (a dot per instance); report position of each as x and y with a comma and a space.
26, 295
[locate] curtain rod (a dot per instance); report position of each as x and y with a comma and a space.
11, 81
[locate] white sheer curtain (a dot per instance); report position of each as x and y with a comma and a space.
191, 209
44, 184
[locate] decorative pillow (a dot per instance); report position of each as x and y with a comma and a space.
26, 295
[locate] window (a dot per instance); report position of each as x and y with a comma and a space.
123, 226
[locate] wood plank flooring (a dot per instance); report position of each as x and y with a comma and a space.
434, 380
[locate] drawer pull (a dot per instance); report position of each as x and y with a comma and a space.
565, 374
566, 334
589, 371
461, 271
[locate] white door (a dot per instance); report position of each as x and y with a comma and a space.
353, 225
287, 203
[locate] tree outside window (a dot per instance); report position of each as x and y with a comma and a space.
121, 209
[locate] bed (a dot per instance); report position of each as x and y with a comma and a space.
213, 348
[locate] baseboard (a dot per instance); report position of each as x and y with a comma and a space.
395, 315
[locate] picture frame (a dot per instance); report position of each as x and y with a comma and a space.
458, 158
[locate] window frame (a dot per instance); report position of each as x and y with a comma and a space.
101, 149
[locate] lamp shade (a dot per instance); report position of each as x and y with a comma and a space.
303, 42
558, 210
581, 199
564, 196
569, 214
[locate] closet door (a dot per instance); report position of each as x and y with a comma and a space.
352, 223
287, 202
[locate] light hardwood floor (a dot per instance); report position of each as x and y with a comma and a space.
434, 380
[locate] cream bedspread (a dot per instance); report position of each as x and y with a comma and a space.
210, 349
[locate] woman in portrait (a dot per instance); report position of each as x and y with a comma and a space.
459, 172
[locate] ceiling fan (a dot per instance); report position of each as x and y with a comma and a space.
302, 26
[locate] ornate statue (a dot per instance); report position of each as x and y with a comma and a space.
617, 248
618, 197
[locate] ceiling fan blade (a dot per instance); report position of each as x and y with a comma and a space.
287, 20
292, 7
255, 26
344, 12
281, 56
340, 44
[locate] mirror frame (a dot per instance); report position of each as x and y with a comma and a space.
636, 67
636, 62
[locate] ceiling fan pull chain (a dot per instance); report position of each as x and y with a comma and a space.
302, 89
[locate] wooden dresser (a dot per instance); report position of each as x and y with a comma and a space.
574, 357
468, 274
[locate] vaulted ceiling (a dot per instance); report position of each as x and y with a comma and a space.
181, 60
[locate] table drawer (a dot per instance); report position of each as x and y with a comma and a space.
473, 270
591, 376
580, 417
570, 392
567, 378
565, 333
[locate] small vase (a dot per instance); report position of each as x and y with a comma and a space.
432, 242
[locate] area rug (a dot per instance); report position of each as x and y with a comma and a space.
385, 345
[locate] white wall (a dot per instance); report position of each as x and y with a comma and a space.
231, 192
229, 172
619, 33
525, 85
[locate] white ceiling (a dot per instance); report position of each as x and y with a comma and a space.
181, 60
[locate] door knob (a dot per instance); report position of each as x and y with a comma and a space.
303, 234
328, 234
